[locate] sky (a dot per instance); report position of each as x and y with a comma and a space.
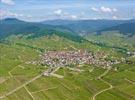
39, 10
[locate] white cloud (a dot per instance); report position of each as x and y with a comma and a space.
73, 16
104, 9
114, 9
64, 15
94, 9
58, 12
115, 17
6, 14
8, 2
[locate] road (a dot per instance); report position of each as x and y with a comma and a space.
28, 82
94, 97
91, 70
29, 93
100, 77
44, 89
75, 69
56, 75
132, 82
16, 89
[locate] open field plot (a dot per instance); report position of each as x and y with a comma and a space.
54, 43
122, 75
123, 84
114, 95
72, 87
6, 65
19, 76
113, 38
8, 85
20, 95
12, 56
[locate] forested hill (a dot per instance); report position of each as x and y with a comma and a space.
84, 27
70, 29
126, 29
12, 26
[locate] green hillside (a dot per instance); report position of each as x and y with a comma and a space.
114, 39
12, 26
125, 29
15, 72
92, 67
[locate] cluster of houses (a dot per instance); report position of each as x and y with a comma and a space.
66, 58
132, 54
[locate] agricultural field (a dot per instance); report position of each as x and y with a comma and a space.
22, 81
113, 38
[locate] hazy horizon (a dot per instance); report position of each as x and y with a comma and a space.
40, 10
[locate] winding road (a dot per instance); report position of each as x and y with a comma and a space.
100, 77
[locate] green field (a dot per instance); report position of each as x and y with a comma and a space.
22, 81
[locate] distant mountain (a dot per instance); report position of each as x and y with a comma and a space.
14, 26
126, 29
84, 27
70, 29
59, 22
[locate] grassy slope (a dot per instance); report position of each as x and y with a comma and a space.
114, 38
74, 86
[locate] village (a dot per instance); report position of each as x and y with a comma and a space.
75, 59
78, 57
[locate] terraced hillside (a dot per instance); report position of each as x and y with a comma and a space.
20, 80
